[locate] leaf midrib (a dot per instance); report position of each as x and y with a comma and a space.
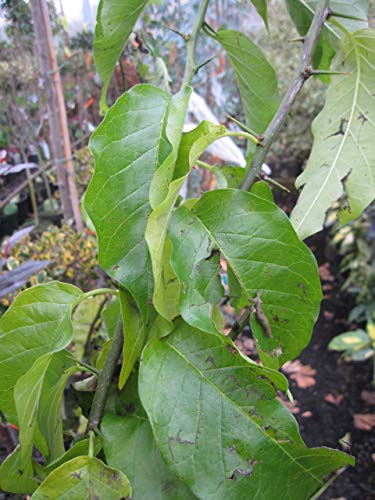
344, 139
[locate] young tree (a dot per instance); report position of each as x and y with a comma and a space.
177, 409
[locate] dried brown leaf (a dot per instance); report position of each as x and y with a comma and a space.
335, 400
368, 397
364, 421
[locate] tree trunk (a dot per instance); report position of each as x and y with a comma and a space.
58, 123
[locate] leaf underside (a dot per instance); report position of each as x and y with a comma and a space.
342, 161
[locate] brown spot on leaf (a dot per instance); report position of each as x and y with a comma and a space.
211, 360
243, 472
362, 118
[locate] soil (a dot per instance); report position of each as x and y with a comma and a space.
330, 422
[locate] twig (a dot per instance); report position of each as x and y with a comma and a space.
204, 63
105, 378
192, 43
273, 129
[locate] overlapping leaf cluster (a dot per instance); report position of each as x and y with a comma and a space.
191, 416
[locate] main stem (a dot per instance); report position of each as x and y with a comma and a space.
106, 374
190, 68
274, 127
105, 378
304, 67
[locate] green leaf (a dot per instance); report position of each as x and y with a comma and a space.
138, 455
261, 7
37, 323
60, 369
128, 146
197, 266
363, 355
15, 478
79, 448
226, 176
256, 78
261, 248
302, 12
84, 477
192, 145
342, 161
27, 396
219, 425
134, 335
84, 315
38, 398
110, 316
350, 341
114, 23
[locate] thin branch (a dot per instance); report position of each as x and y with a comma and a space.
105, 378
192, 43
310, 41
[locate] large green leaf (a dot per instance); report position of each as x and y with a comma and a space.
84, 478
37, 323
302, 11
219, 425
128, 146
138, 455
192, 145
114, 23
342, 161
262, 249
256, 78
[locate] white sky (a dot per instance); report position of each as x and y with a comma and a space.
73, 8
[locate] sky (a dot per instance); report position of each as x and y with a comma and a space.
77, 10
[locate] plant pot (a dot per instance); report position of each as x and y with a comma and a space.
9, 219
24, 207
53, 217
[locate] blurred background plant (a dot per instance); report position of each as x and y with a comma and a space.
72, 258
356, 345
355, 243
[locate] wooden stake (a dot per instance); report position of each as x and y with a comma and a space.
58, 123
